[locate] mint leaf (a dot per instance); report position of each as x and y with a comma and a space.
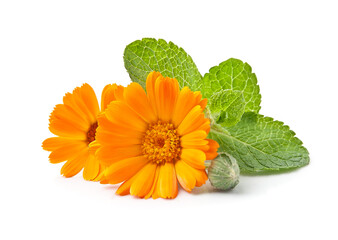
260, 144
144, 56
235, 75
227, 107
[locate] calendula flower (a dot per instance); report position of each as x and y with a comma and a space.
153, 141
74, 123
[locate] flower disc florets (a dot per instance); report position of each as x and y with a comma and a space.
161, 143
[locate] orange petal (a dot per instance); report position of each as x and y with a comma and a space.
167, 182
205, 126
120, 113
166, 94
111, 154
119, 93
193, 121
63, 128
54, 143
194, 157
65, 114
90, 100
150, 86
111, 138
194, 139
200, 176
124, 169
83, 100
185, 102
136, 98
185, 176
100, 175
91, 168
194, 136
93, 147
118, 129
124, 188
154, 185
203, 103
211, 153
188, 176
67, 152
74, 166
109, 94
143, 181
70, 103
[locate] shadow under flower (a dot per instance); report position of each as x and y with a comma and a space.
251, 183
208, 188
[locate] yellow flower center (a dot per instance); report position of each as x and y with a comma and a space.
161, 143
91, 132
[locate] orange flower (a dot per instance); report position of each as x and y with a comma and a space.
152, 141
75, 122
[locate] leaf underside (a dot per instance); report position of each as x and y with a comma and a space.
260, 144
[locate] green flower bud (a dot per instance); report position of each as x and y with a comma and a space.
223, 172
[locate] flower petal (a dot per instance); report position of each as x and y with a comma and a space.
74, 166
64, 128
91, 168
54, 143
194, 157
113, 139
124, 169
83, 101
150, 86
189, 177
193, 121
203, 103
143, 181
185, 102
167, 182
112, 154
118, 129
109, 94
90, 100
194, 139
67, 152
185, 176
166, 94
64, 113
211, 153
120, 113
154, 185
124, 188
136, 98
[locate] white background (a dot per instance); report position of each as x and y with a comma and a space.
47, 48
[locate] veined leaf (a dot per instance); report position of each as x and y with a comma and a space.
144, 56
260, 144
234, 75
227, 107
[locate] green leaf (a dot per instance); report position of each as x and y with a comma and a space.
227, 107
260, 144
144, 56
233, 74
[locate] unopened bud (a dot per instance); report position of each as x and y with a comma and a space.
223, 172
